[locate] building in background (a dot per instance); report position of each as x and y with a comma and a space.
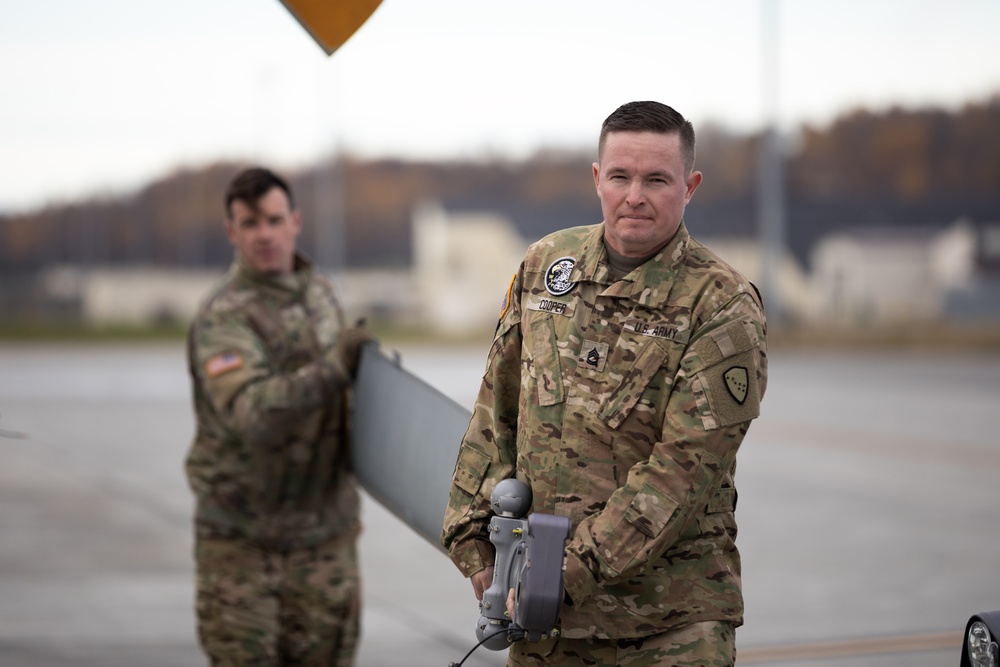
463, 261
875, 277
139, 296
462, 265
894, 277
969, 261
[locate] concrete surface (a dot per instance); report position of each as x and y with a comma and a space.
868, 513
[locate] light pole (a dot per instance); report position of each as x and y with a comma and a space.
771, 176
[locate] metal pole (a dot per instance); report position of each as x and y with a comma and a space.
771, 182
330, 222
329, 183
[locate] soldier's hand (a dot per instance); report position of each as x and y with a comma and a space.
348, 346
481, 581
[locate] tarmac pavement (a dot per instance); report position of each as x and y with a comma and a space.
868, 514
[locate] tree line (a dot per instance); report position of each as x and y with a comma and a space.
900, 167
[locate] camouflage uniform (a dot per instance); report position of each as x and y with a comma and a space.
704, 644
622, 404
277, 509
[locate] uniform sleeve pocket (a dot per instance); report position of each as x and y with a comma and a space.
722, 500
643, 522
470, 470
627, 394
650, 511
724, 368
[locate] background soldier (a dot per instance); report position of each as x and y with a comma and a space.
626, 367
276, 522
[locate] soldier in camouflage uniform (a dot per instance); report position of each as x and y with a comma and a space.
276, 519
626, 367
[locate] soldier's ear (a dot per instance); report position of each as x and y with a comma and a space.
229, 226
693, 181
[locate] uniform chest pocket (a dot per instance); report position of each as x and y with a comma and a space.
626, 395
546, 366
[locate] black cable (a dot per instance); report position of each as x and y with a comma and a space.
485, 639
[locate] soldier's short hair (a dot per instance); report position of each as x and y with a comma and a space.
251, 184
650, 116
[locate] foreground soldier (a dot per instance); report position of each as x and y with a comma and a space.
276, 522
626, 367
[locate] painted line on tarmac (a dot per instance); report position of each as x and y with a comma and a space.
851, 648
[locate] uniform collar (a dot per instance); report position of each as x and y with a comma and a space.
293, 282
649, 284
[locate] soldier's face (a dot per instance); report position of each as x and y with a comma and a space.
264, 236
643, 188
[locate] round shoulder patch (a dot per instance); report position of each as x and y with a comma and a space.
557, 280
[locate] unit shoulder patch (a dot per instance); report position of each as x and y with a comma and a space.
737, 381
557, 280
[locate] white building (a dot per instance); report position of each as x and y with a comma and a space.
462, 265
880, 277
132, 295
463, 262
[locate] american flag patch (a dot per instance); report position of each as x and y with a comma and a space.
223, 363
505, 304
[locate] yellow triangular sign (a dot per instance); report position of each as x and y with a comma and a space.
331, 22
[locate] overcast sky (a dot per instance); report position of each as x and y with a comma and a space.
102, 96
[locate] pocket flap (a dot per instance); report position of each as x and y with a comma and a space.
723, 500
627, 394
470, 469
729, 341
650, 511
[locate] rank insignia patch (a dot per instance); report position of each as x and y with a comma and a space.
737, 382
557, 280
223, 363
594, 355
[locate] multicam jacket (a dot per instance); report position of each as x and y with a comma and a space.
268, 461
622, 404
